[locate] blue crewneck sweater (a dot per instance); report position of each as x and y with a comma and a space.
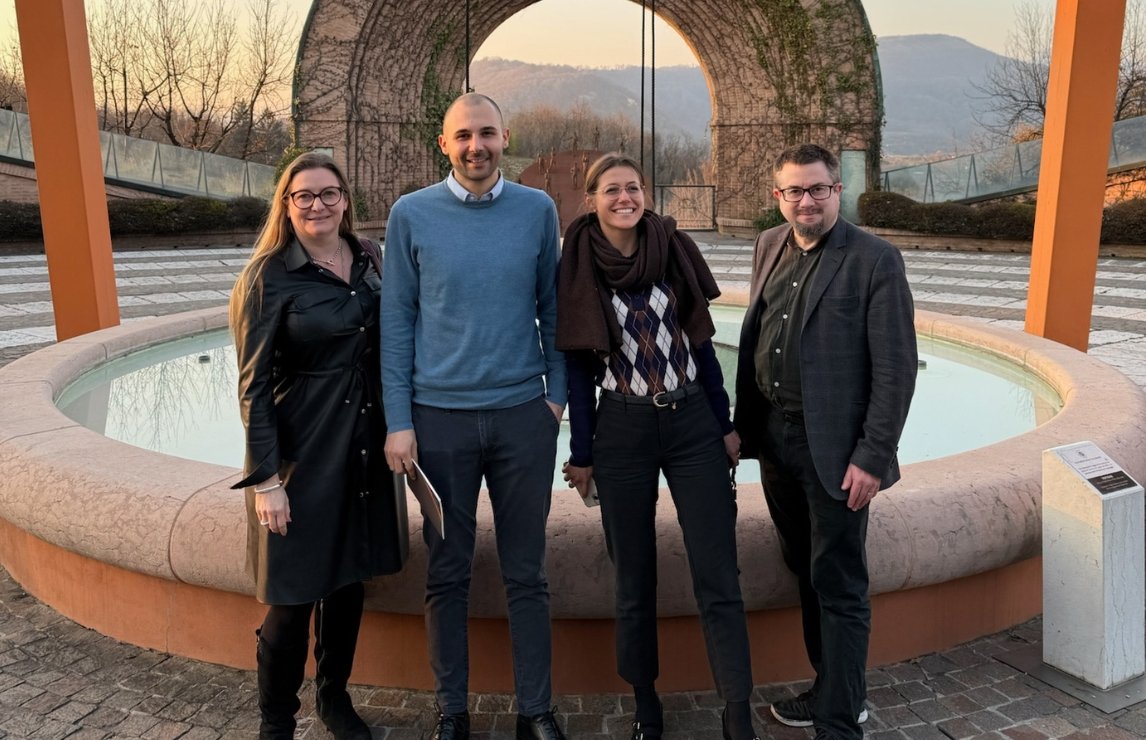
469, 302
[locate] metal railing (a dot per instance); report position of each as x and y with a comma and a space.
162, 168
1005, 170
693, 206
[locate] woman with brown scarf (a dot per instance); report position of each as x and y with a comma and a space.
633, 320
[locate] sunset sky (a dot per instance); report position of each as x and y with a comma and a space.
587, 40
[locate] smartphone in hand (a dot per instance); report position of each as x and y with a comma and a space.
590, 497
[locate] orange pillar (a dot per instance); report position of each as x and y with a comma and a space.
69, 170
1072, 177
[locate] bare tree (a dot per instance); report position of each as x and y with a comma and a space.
268, 67
195, 49
1014, 90
545, 129
122, 79
182, 72
13, 96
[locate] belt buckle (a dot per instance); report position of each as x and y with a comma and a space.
663, 404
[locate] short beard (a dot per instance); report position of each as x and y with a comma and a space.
809, 231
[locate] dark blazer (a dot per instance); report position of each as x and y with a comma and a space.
858, 356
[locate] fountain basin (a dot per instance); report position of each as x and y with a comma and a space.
149, 548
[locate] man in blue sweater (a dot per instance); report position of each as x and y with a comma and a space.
474, 387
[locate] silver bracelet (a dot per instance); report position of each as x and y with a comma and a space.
269, 488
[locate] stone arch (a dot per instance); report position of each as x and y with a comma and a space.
374, 77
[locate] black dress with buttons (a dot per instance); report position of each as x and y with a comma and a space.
311, 400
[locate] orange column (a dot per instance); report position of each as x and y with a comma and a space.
69, 170
1072, 178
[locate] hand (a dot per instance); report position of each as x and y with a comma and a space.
861, 486
401, 451
558, 411
578, 477
273, 508
732, 447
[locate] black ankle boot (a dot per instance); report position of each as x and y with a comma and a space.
280, 677
736, 721
648, 720
336, 623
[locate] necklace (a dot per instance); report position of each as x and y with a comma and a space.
337, 258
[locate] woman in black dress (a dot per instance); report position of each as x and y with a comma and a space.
633, 320
321, 505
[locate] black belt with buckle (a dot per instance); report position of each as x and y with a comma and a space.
660, 400
792, 417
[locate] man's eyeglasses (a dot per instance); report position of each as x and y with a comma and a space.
795, 195
305, 199
614, 191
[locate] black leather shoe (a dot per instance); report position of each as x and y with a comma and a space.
539, 727
452, 727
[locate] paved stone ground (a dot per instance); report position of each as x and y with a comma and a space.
58, 679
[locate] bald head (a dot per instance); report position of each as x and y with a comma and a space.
472, 99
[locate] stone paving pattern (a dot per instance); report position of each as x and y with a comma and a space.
58, 679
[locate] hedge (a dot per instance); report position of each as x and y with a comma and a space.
21, 221
1122, 223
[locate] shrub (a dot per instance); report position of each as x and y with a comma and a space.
768, 219
21, 221
888, 210
201, 214
143, 216
945, 218
992, 221
1006, 221
248, 213
1125, 222
290, 154
361, 206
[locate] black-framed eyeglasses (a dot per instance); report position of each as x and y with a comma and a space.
795, 195
305, 199
614, 191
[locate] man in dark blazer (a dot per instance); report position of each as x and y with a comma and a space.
824, 381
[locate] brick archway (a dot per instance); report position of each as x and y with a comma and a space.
374, 75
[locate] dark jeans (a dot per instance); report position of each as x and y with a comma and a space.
825, 545
514, 449
633, 444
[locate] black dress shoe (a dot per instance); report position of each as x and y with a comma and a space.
452, 727
539, 727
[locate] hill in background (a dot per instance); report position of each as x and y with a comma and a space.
928, 84
929, 94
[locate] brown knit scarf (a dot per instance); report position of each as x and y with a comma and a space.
591, 268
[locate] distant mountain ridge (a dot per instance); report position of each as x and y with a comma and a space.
683, 103
928, 85
929, 93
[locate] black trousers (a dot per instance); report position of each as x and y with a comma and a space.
633, 444
825, 545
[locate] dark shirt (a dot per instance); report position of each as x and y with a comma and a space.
785, 297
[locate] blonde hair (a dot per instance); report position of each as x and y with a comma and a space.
277, 231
